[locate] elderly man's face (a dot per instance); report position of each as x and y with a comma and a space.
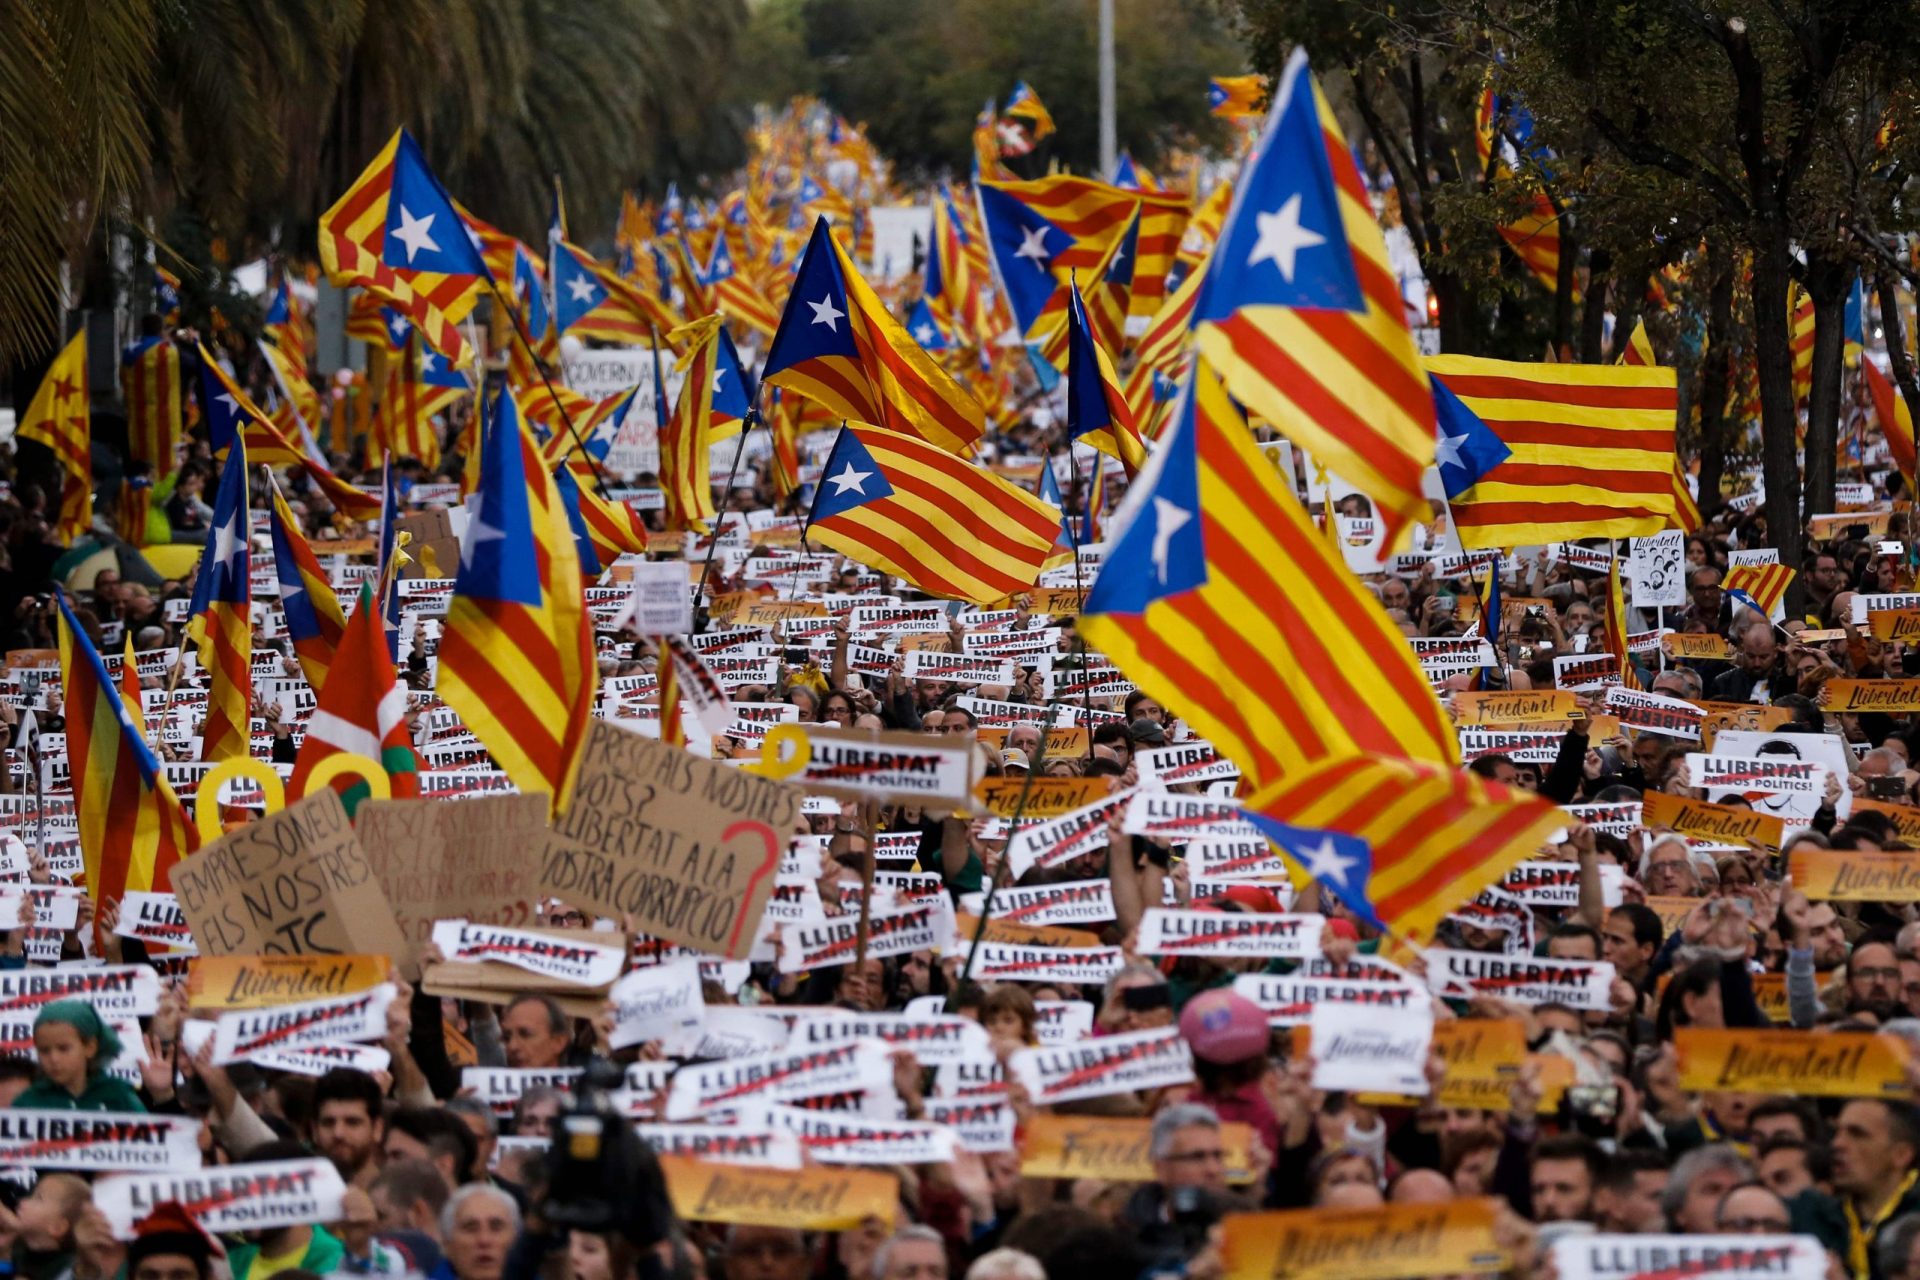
1704, 588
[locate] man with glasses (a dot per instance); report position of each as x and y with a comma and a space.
1873, 980
1171, 1214
1752, 1209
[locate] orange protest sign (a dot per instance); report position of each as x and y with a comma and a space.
1704, 647
1023, 935
1046, 798
1113, 1150
819, 1197
1833, 524
1534, 707
1393, 1241
772, 613
1905, 817
1058, 601
1856, 875
1062, 740
1894, 624
1737, 715
1871, 695
1673, 912
1840, 1064
1726, 823
260, 982
1483, 1057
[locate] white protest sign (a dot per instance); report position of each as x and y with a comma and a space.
702, 1087
1776, 775
1190, 761
121, 990
662, 600
1355, 1048
1010, 962
247, 1197
1070, 902
1557, 884
239, 1034
1061, 839
906, 768
99, 1141
501, 1087
655, 1003
932, 1041
1111, 1064
723, 1144
834, 1138
1289, 999
574, 960
1166, 931
1182, 817
960, 668
1654, 712
1666, 1257
811, 944
153, 918
1658, 566
1528, 980
317, 1060
979, 1125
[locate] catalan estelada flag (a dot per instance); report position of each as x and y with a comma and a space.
1421, 838
150, 383
838, 345
132, 826
404, 425
1234, 97
314, 620
362, 710
1764, 584
1039, 232
686, 435
1097, 410
396, 233
60, 417
1533, 452
1207, 539
732, 393
232, 416
737, 296
1503, 129
218, 618
516, 653
1300, 311
590, 300
612, 528
1638, 350
1896, 422
135, 509
898, 504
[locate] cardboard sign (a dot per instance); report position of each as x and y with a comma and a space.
1538, 706
241, 1033
1658, 566
1108, 1065
1842, 1064
122, 990
907, 768
1723, 823
1071, 902
655, 1003
1871, 695
1238, 935
723, 1144
1684, 646
1667, 1257
1006, 962
1290, 999
1112, 1148
834, 941
1655, 712
250, 1197
1046, 798
1856, 875
1774, 774
1557, 884
295, 882
816, 1198
99, 1141
263, 982
687, 848
575, 960
1578, 984
1388, 1243
1355, 1048
317, 1060
779, 1076
932, 1041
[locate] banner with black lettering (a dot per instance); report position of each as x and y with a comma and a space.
1108, 1065
1193, 761
98, 1141
153, 918
501, 1087
1289, 999
247, 1197
1774, 775
723, 1144
1662, 1257
655, 1003
907, 768
1167, 931
839, 1138
979, 1125
1528, 980
1010, 962
932, 1041
573, 960
1069, 902
702, 1087
1356, 1049
1557, 884
1061, 839
240, 1034
835, 941
118, 990
1179, 817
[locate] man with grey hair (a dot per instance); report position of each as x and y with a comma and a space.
1185, 1148
476, 1229
1679, 682
1699, 1181
913, 1252
1171, 1215
1006, 1264
1897, 1251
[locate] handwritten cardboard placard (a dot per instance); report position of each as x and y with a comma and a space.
1112, 1148
687, 847
1535, 707
295, 882
1387, 1243
1856, 875
1726, 823
1871, 695
440, 861
816, 1198
1842, 1064
261, 982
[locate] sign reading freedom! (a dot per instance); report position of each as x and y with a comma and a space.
689, 848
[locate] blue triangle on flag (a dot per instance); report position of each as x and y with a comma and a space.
851, 478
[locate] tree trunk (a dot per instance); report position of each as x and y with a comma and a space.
1773, 350
1563, 289
1716, 375
1828, 283
1459, 334
1593, 314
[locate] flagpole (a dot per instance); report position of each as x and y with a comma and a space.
540, 366
1079, 588
726, 499
1013, 829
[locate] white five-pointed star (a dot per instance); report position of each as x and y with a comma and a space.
850, 479
1168, 517
824, 312
416, 233
1282, 237
717, 375
581, 288
1033, 244
478, 531
1446, 450
1327, 863
924, 334
398, 328
226, 399
226, 541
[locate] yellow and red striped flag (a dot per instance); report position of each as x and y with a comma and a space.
60, 417
1554, 451
1800, 323
1686, 512
1896, 422
895, 503
232, 416
132, 827
1209, 530
403, 423
686, 437
516, 653
1236, 97
1765, 584
1616, 623
363, 711
150, 382
1301, 312
1436, 835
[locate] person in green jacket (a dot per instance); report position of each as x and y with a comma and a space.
74, 1045
305, 1246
